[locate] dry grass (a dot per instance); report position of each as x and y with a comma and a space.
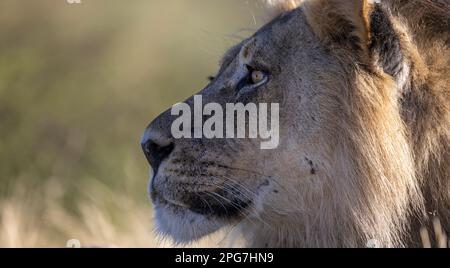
107, 220
101, 218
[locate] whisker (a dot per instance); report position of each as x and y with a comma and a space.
243, 211
270, 177
237, 186
215, 198
205, 202
247, 210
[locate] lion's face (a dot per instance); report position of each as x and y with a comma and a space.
201, 185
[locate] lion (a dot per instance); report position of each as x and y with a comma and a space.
364, 153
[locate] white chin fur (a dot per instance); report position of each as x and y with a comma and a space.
183, 225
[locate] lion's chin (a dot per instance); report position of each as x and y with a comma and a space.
183, 225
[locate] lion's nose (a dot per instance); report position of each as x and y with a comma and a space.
156, 148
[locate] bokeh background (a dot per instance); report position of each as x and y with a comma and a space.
78, 85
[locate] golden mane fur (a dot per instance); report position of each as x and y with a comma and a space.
401, 148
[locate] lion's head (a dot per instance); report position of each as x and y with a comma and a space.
343, 172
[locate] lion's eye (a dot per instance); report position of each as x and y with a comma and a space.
254, 79
257, 76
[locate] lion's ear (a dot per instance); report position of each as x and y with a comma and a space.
365, 29
343, 23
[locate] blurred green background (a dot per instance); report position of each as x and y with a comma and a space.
78, 85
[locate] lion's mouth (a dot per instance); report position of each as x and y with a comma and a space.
187, 214
215, 204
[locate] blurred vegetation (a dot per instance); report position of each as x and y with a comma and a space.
78, 85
